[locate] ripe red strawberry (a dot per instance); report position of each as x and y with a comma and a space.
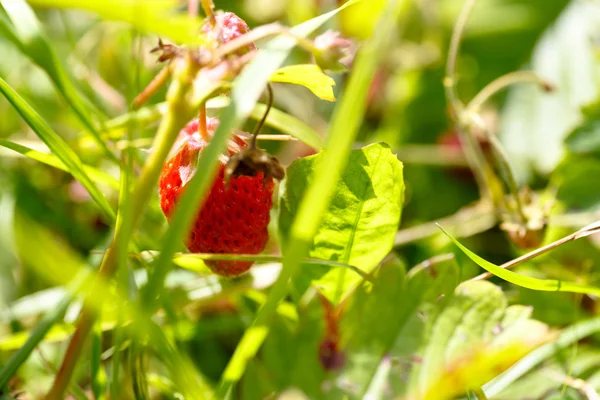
233, 218
228, 26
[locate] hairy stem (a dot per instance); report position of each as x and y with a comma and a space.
261, 123
501, 159
208, 6
177, 114
503, 82
202, 129
450, 79
159, 80
473, 152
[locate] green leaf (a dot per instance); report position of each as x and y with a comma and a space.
386, 308
309, 76
292, 349
342, 134
28, 36
569, 336
53, 161
533, 119
361, 221
469, 339
59, 264
585, 138
572, 181
548, 285
580, 363
39, 332
384, 305
156, 16
343, 130
58, 146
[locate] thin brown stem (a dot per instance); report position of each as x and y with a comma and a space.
63, 377
481, 170
450, 79
584, 387
277, 138
202, 128
501, 160
178, 113
503, 82
208, 6
159, 81
261, 123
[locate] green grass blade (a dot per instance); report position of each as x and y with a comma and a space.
28, 36
154, 16
96, 372
53, 161
114, 384
39, 332
58, 264
567, 337
343, 130
58, 146
247, 89
546, 285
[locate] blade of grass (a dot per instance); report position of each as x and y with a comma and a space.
53, 161
567, 337
116, 360
343, 130
180, 111
28, 36
58, 146
546, 285
156, 16
54, 316
96, 372
247, 89
58, 264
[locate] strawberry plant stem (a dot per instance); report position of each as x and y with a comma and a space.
503, 82
177, 115
159, 80
261, 123
501, 159
208, 6
202, 129
473, 152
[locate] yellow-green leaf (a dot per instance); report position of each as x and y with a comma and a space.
309, 76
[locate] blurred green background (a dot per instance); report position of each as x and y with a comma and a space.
407, 109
